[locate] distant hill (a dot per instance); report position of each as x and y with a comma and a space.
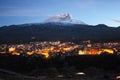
57, 31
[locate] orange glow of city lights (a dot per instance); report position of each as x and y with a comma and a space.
30, 53
94, 52
81, 52
66, 49
11, 49
108, 50
46, 54
15, 53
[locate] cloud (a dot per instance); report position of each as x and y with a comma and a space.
60, 17
64, 18
118, 21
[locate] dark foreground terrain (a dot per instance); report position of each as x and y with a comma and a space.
99, 67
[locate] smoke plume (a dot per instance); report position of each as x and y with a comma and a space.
59, 18
64, 18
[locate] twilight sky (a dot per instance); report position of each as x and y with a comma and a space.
92, 12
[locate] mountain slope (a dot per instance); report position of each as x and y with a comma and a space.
53, 32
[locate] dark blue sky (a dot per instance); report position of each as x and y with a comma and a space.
89, 11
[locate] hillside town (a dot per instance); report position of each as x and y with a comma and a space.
54, 48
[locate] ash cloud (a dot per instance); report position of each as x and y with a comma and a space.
60, 17
64, 18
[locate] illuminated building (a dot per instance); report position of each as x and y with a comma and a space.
108, 50
11, 49
15, 53
30, 53
81, 52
